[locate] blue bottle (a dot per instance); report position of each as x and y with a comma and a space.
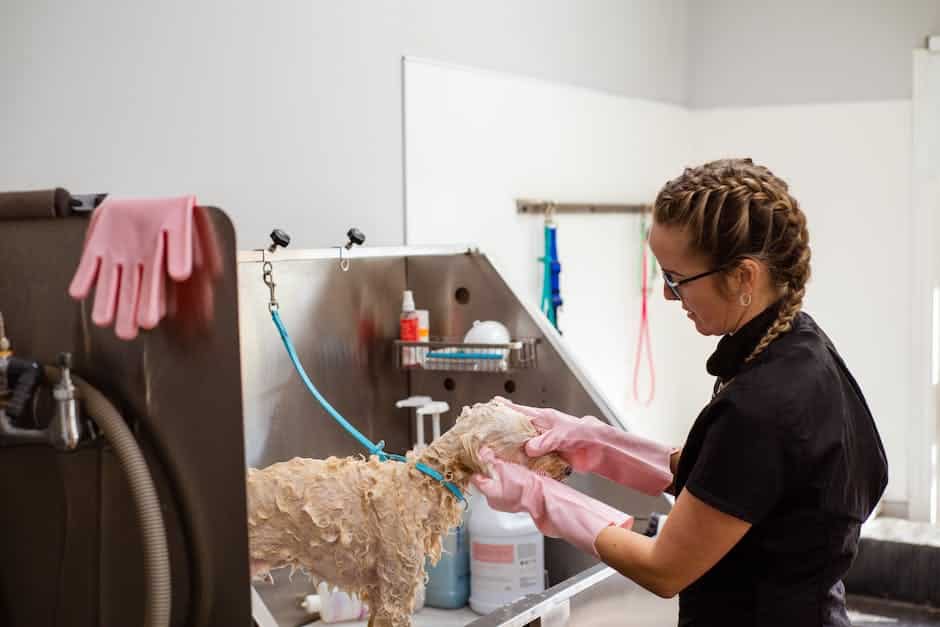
449, 582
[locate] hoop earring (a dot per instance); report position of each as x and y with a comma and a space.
745, 300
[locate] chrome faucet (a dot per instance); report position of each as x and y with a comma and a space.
65, 431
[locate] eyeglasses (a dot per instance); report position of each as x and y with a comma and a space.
674, 285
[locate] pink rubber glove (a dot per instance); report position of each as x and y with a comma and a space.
130, 247
591, 445
559, 511
192, 302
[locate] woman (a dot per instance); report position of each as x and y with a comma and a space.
781, 467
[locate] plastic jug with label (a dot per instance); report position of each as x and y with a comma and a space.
507, 557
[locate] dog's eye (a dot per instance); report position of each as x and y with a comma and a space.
568, 471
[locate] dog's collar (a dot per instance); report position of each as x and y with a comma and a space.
383, 456
447, 484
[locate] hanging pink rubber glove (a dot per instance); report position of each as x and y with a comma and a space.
559, 511
130, 247
192, 302
591, 445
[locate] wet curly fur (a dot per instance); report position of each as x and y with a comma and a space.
365, 526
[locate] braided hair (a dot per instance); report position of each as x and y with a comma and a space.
735, 210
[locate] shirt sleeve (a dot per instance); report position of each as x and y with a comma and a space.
741, 469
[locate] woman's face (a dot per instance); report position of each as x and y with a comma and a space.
710, 310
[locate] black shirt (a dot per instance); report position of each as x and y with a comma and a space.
789, 445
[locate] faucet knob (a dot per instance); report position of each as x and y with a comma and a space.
278, 238
356, 237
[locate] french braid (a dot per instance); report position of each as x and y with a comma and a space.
735, 209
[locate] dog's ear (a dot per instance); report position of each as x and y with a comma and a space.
464, 413
470, 448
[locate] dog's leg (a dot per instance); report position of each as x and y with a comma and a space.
400, 574
376, 621
372, 598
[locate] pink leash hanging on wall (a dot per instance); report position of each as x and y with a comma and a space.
644, 338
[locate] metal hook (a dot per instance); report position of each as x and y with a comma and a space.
278, 238
550, 214
354, 237
267, 275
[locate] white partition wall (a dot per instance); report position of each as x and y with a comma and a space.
477, 140
925, 288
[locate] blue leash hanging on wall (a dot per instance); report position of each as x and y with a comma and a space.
551, 280
374, 449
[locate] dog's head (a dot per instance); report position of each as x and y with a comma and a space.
498, 427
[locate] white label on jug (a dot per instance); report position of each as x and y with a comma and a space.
529, 572
505, 568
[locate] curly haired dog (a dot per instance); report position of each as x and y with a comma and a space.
365, 526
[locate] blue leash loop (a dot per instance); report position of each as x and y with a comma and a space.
374, 449
551, 284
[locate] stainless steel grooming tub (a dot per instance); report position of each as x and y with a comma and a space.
344, 324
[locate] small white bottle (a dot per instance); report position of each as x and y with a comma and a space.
507, 557
334, 605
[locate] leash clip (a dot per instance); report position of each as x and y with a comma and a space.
267, 275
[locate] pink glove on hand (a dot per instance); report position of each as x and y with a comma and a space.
130, 247
559, 511
591, 445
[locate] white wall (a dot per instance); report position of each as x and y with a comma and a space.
284, 113
769, 53
477, 140
849, 166
925, 279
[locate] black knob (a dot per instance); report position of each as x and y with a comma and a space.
65, 360
279, 238
25, 376
356, 237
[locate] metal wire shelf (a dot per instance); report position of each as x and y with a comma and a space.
446, 355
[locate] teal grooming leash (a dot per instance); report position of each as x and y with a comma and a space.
374, 449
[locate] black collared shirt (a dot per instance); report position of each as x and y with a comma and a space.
788, 444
